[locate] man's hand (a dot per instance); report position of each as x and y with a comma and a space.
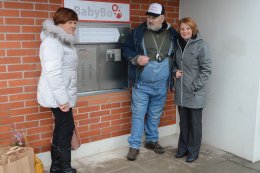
143, 60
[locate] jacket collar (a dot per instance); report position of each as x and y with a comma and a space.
49, 29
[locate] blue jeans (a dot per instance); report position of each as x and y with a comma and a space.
147, 99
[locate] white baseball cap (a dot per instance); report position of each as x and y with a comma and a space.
155, 10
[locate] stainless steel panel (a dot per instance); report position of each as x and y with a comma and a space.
101, 65
88, 72
113, 71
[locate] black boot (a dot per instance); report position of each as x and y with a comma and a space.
55, 164
65, 159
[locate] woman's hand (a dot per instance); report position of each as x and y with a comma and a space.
178, 74
64, 107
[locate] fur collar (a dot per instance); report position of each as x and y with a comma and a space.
49, 29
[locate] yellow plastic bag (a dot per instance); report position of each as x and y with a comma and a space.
38, 166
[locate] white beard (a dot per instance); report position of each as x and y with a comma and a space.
153, 28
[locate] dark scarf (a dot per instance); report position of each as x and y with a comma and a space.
183, 42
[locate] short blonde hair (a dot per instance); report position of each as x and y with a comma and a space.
189, 21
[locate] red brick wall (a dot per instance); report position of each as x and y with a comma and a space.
97, 117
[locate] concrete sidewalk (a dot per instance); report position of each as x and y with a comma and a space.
211, 160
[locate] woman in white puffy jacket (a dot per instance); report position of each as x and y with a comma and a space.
57, 88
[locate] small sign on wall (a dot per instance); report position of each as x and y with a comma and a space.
97, 35
99, 11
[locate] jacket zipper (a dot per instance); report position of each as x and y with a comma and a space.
182, 54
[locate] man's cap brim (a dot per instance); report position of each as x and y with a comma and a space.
152, 14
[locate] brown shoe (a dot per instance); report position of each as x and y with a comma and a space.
155, 147
132, 154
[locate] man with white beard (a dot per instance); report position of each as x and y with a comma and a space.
149, 50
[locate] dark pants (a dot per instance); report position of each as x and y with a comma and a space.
63, 129
190, 130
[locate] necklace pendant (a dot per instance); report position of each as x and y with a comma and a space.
158, 56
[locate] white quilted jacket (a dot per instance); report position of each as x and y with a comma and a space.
58, 81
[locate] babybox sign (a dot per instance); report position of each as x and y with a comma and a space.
99, 11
